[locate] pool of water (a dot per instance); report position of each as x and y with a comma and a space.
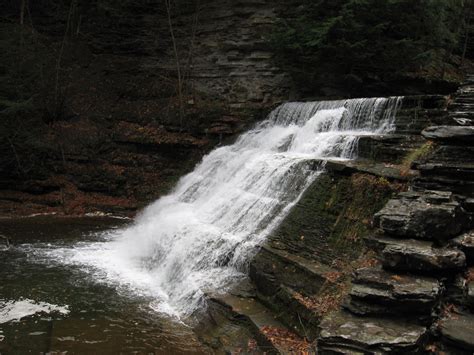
54, 307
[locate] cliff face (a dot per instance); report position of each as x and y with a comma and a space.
117, 99
116, 133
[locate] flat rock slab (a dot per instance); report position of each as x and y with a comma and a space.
458, 134
353, 334
375, 290
415, 255
258, 316
458, 330
369, 167
420, 256
428, 215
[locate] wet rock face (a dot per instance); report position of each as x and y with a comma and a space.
460, 134
430, 215
343, 334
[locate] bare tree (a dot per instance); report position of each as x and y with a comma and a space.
177, 63
22, 12
467, 24
57, 95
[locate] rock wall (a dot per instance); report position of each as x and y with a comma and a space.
231, 59
303, 271
119, 141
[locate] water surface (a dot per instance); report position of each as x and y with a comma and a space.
69, 309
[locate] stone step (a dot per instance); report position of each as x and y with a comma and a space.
416, 256
428, 215
294, 310
457, 329
388, 148
344, 333
456, 134
442, 183
273, 267
449, 154
390, 172
376, 291
460, 170
263, 324
282, 279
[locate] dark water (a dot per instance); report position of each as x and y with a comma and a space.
102, 319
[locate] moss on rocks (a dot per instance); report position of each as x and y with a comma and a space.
333, 216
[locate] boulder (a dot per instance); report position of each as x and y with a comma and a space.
344, 333
376, 291
458, 330
428, 215
420, 256
458, 134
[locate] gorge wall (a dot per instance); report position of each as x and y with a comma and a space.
100, 124
117, 141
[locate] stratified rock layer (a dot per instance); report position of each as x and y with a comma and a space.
376, 291
430, 215
343, 333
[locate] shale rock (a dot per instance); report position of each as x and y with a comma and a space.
419, 256
430, 215
376, 291
458, 134
458, 330
343, 333
466, 243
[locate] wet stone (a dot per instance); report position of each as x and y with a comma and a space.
429, 215
419, 256
352, 334
464, 134
376, 291
458, 330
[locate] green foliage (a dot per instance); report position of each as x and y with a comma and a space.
367, 37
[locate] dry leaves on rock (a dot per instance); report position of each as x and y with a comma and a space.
286, 339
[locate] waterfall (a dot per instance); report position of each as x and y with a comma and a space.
200, 237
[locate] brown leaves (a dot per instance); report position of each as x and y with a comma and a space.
284, 338
322, 303
333, 276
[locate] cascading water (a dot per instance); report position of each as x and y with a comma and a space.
200, 236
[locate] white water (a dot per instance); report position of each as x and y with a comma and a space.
200, 237
15, 310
